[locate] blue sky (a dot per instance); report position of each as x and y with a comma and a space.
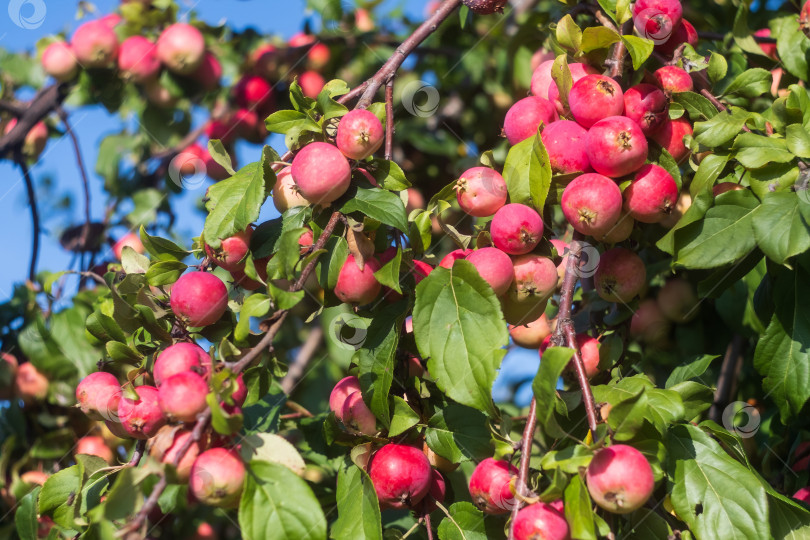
284, 18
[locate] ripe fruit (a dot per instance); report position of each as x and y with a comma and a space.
436, 492
534, 283
670, 136
359, 134
494, 266
592, 203
93, 445
565, 143
678, 301
525, 117
199, 298
595, 97
255, 93
311, 83
620, 231
673, 79
356, 286
531, 335
589, 353
141, 418
247, 125
159, 95
683, 32
286, 194
34, 477
516, 229
181, 48
485, 7
232, 251
803, 495
620, 479
35, 140
59, 62
804, 19
182, 396
29, 384
167, 452
357, 417
217, 477
208, 73
541, 521
670, 10
448, 260
481, 191
649, 324
577, 72
128, 240
137, 59
541, 79
321, 172
651, 195
616, 146
620, 276
401, 475
98, 396
341, 392
489, 486
683, 204
95, 45
180, 357
646, 105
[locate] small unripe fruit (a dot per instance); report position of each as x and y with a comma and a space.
401, 475
578, 71
647, 106
311, 83
141, 418
525, 117
199, 298
232, 251
534, 283
137, 59
531, 335
448, 260
683, 32
620, 479
217, 477
35, 140
673, 79
178, 358
357, 417
670, 136
620, 276
286, 194
592, 204
489, 486
208, 72
620, 231
595, 97
678, 301
341, 392
182, 396
93, 445
59, 61
649, 324
95, 45
356, 286
321, 172
651, 195
565, 144
616, 146
98, 396
168, 453
359, 134
494, 266
128, 240
481, 191
541, 521
29, 384
181, 48
541, 79
485, 7
516, 229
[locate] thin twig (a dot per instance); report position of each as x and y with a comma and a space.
428, 527
523, 468
389, 118
38, 108
727, 381
32, 202
303, 358
137, 454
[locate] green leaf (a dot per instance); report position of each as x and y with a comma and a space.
708, 172
721, 128
723, 236
468, 523
283, 298
164, 272
122, 353
404, 417
798, 140
460, 329
701, 202
562, 78
60, 494
718, 67
791, 44
713, 493
754, 151
459, 433
220, 155
162, 249
25, 517
357, 506
569, 34
378, 204
697, 106
598, 37
743, 36
779, 228
579, 509
234, 204
750, 83
389, 175
255, 305
527, 172
639, 48
544, 386
388, 275
277, 503
645, 524
133, 262
789, 520
690, 370
104, 328
286, 120
328, 106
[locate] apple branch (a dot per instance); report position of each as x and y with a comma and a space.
38, 108
82, 169
523, 467
389, 118
32, 202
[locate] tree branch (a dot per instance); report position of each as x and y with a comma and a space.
305, 355
389, 118
727, 381
523, 468
32, 202
38, 108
